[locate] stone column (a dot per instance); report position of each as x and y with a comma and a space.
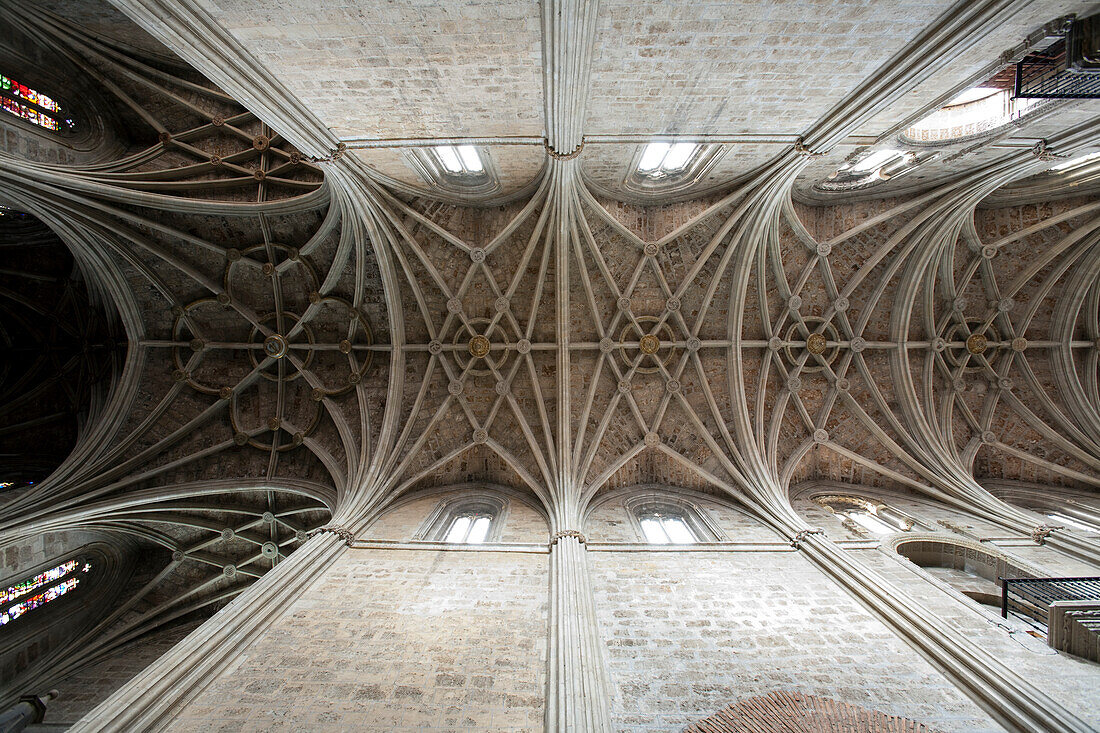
578, 694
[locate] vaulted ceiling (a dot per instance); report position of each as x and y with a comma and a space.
314, 330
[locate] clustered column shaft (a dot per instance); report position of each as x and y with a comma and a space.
577, 698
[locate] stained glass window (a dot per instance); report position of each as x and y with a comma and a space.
28, 595
29, 104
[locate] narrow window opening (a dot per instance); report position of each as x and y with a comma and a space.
1076, 162
471, 528
871, 523
879, 165
876, 160
471, 161
1074, 523
876, 518
459, 529
470, 521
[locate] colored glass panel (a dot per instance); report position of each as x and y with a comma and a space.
19, 91
32, 593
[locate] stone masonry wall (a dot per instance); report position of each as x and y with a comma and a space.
82, 691
1071, 681
395, 640
690, 632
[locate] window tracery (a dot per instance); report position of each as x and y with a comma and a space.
663, 527
464, 169
867, 516
662, 160
980, 109
466, 521
668, 167
470, 527
871, 168
662, 520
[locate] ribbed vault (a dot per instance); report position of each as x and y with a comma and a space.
309, 342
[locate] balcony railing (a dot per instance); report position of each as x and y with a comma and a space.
1032, 597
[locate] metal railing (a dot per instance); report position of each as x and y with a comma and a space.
1050, 75
1032, 597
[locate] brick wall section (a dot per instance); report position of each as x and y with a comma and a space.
391, 640
783, 712
688, 633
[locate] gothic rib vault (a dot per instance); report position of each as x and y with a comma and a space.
311, 338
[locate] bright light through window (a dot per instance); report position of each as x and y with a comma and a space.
664, 530
871, 523
666, 158
973, 95
478, 531
460, 160
876, 160
470, 159
1075, 162
449, 157
459, 530
470, 529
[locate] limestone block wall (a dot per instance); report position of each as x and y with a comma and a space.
396, 639
690, 632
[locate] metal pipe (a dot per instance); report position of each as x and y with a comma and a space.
30, 709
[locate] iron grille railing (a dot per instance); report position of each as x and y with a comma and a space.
1032, 596
1068, 69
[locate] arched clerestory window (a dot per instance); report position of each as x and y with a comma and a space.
971, 570
868, 516
467, 520
666, 521
663, 526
